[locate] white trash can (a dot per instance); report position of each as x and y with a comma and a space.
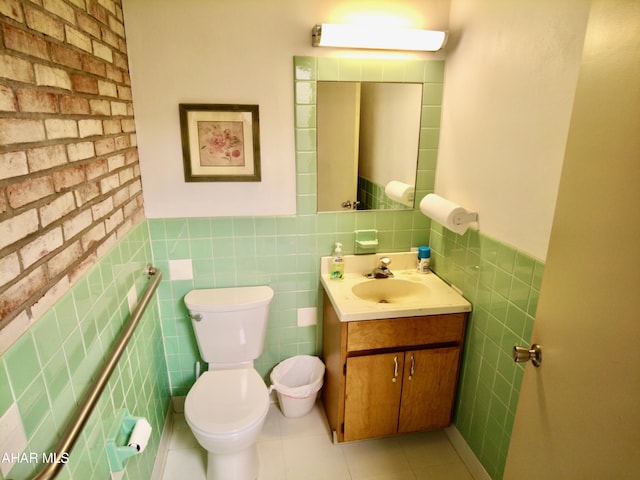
297, 381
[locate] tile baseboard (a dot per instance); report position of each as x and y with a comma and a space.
466, 454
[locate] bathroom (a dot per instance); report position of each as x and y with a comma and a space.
268, 232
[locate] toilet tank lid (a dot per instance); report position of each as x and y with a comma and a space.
228, 299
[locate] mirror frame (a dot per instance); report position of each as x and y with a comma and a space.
309, 70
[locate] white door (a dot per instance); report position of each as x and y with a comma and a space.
579, 413
338, 127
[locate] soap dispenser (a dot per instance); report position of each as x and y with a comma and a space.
337, 263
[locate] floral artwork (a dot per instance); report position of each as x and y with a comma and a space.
221, 143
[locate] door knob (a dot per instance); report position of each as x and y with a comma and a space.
349, 204
524, 354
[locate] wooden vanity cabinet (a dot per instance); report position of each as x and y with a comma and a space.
390, 376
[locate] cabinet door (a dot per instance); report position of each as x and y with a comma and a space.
372, 395
428, 391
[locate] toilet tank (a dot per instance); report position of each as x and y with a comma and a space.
230, 323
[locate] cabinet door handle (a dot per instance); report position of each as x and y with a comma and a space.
395, 369
412, 371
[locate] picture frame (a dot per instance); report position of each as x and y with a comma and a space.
220, 142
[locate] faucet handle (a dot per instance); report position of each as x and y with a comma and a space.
382, 270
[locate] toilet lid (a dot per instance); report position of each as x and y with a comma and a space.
226, 401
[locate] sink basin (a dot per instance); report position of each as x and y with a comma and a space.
390, 290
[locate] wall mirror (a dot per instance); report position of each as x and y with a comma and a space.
312, 75
367, 144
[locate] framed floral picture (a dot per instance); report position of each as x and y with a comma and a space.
220, 143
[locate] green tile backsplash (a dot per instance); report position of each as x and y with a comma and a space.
49, 369
282, 252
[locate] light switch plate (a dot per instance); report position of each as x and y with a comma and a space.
307, 317
181, 269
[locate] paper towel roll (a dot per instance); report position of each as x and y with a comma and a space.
140, 435
400, 192
451, 215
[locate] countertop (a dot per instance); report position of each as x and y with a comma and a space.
438, 298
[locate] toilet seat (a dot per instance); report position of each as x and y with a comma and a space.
226, 401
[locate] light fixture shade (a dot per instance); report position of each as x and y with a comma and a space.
376, 37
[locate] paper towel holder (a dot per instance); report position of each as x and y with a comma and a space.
465, 218
451, 215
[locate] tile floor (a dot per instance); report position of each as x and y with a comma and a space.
302, 449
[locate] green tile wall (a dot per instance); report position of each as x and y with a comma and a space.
503, 284
284, 251
51, 366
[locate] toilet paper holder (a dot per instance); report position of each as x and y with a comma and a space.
118, 448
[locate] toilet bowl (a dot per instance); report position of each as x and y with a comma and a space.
226, 411
227, 406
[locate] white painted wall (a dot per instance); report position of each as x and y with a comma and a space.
510, 78
238, 52
390, 132
511, 70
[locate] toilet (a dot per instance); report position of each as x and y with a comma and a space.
227, 406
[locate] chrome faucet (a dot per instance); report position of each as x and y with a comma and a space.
382, 270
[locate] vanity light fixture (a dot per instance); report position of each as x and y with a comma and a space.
376, 37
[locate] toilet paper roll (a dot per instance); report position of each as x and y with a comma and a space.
451, 215
140, 435
400, 192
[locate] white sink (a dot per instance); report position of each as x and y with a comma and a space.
407, 294
390, 290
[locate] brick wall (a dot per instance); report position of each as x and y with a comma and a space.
69, 174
